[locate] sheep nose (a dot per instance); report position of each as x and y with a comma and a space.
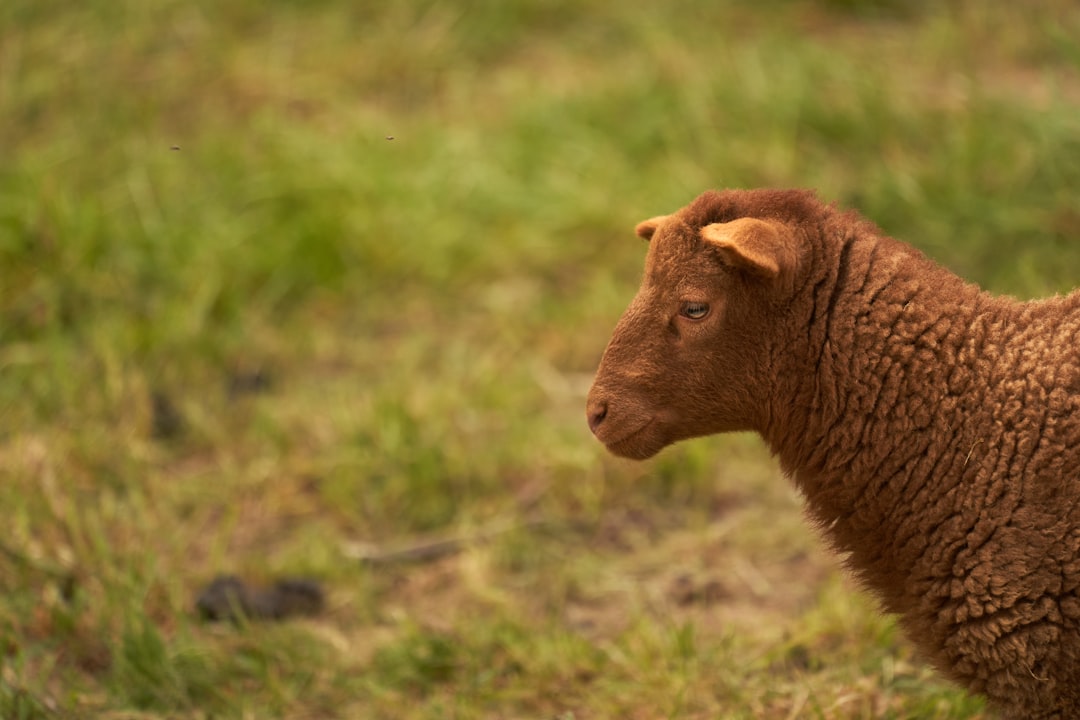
596, 412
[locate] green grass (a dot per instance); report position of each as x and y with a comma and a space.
279, 279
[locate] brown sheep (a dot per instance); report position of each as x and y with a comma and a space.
933, 428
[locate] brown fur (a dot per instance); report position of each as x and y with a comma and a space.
933, 428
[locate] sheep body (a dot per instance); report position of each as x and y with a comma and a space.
933, 428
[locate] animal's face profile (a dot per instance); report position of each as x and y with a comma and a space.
686, 358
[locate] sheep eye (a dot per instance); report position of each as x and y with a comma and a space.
694, 310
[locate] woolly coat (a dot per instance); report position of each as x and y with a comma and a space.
933, 428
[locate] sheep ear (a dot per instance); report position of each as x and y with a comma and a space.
647, 228
756, 245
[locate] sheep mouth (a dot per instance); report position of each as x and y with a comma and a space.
629, 445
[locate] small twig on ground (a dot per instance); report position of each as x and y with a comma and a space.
433, 548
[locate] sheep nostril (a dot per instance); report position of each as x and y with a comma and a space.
596, 413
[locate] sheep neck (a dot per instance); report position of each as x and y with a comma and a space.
878, 406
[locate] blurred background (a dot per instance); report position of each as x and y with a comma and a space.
315, 290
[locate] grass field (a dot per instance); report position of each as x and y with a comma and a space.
288, 289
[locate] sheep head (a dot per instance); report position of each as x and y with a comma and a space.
687, 357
